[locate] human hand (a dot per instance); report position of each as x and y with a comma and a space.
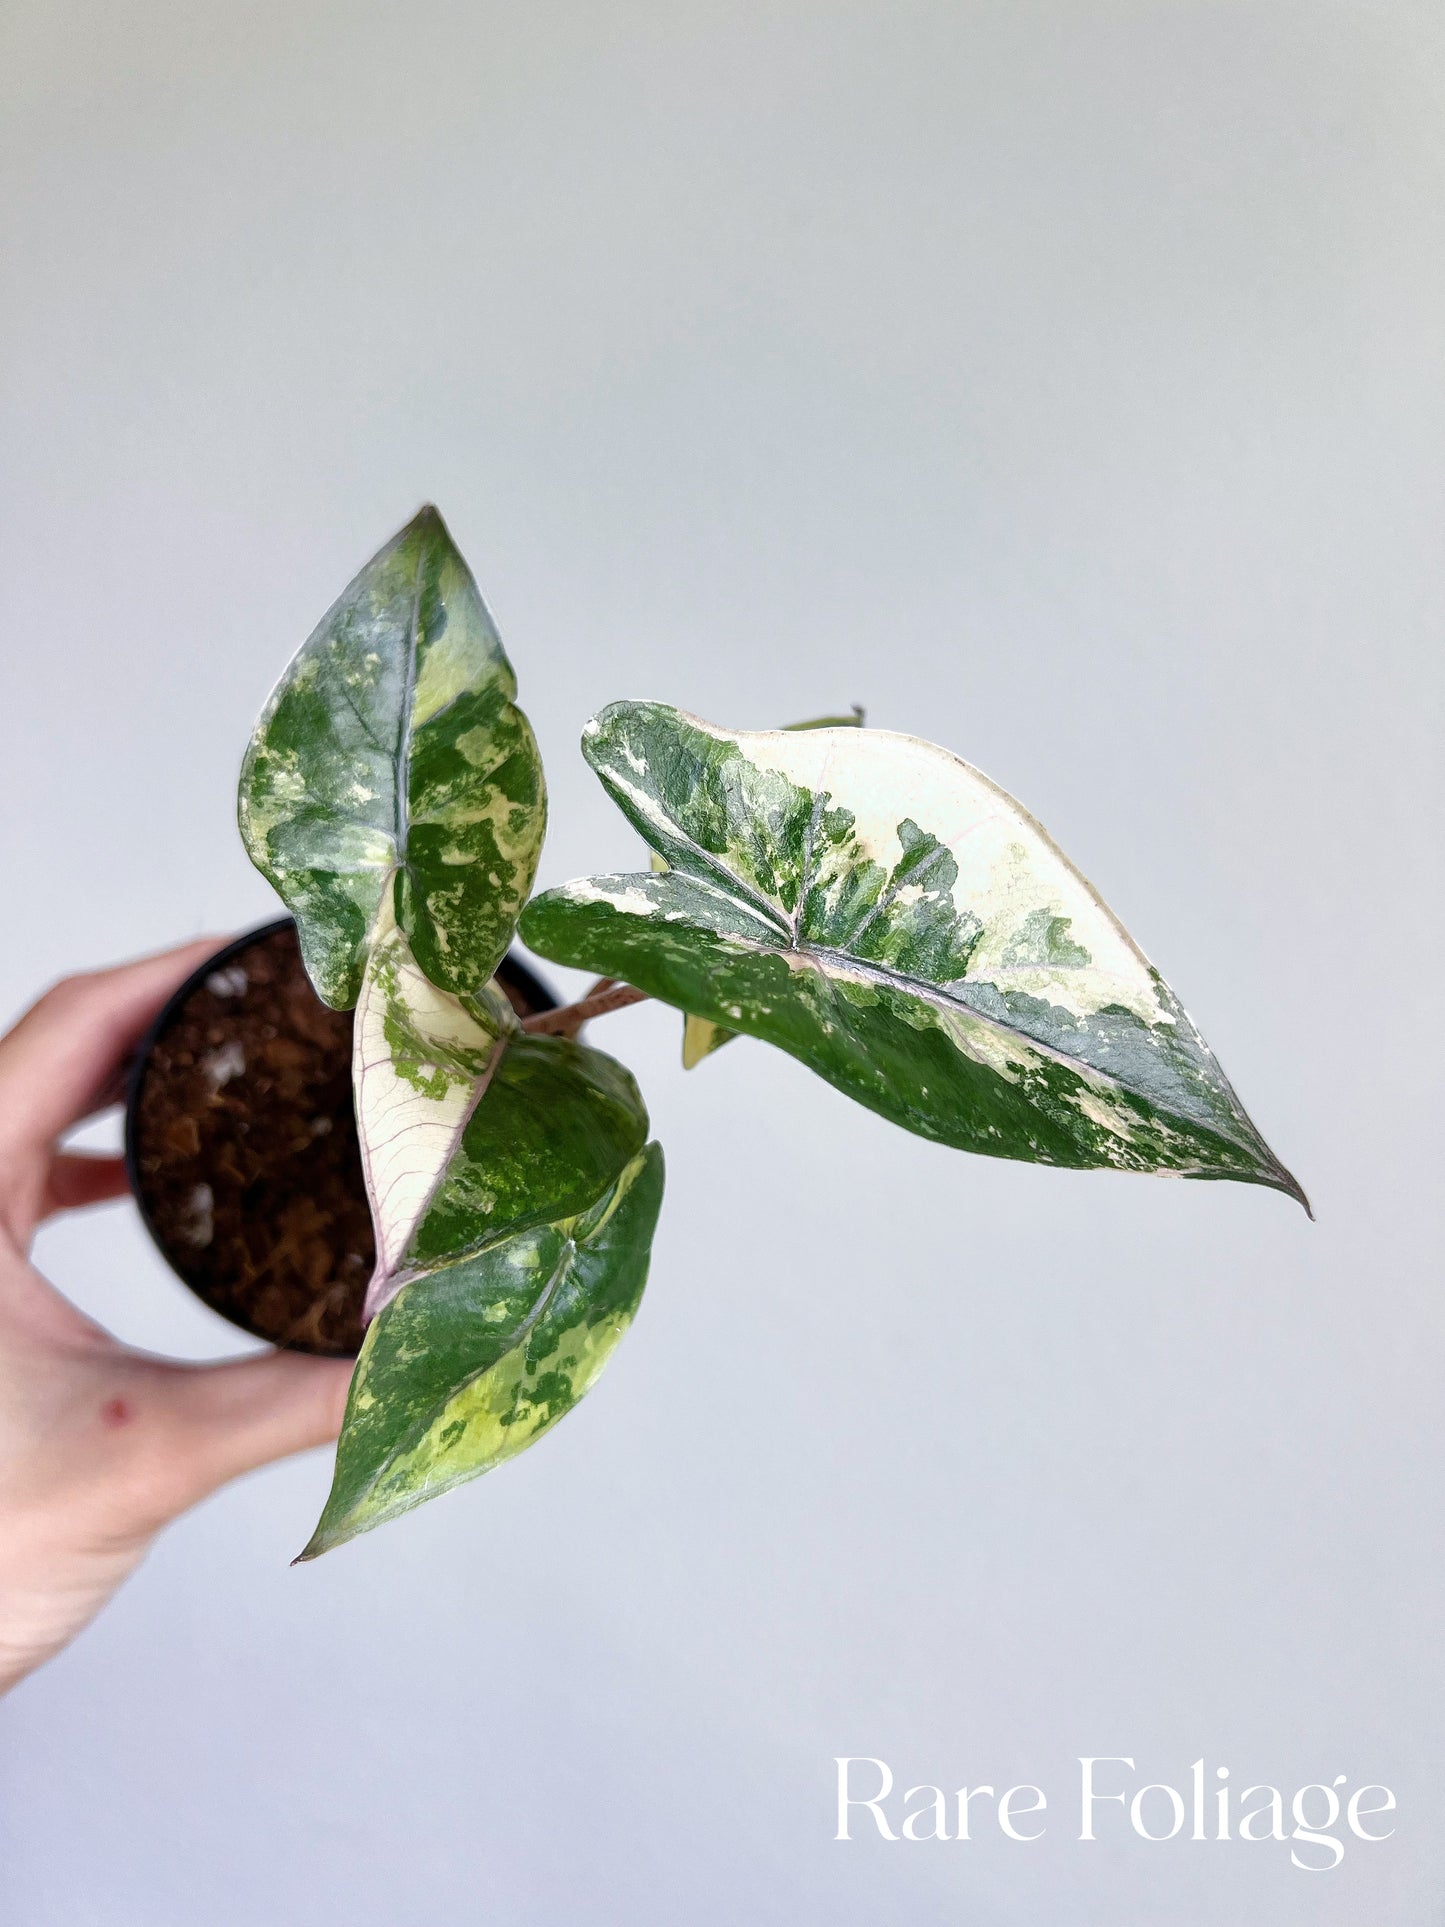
100, 1445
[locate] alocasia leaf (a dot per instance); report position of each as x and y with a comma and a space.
471, 1129
874, 906
510, 1249
391, 756
471, 1364
421, 1059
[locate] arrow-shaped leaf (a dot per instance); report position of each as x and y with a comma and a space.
888, 915
392, 752
472, 1363
470, 1128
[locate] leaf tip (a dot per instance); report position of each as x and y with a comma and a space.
427, 524
320, 1541
1282, 1180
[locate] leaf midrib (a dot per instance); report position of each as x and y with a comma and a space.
822, 956
741, 893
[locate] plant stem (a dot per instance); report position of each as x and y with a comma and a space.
606, 994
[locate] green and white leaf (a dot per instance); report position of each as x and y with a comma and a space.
874, 906
471, 1364
471, 1129
391, 759
701, 1037
421, 1060
557, 1124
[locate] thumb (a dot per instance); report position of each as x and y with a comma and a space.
249, 1411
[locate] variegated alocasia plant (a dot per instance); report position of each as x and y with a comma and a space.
393, 793
882, 911
865, 901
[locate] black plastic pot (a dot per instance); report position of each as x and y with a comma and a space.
240, 1143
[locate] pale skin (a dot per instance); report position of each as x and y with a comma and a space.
101, 1445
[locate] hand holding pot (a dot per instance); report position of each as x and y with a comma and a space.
100, 1445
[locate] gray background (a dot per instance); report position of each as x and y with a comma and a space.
1063, 381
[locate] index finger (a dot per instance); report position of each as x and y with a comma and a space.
57, 1061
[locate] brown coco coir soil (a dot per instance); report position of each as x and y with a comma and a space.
244, 1150
245, 1154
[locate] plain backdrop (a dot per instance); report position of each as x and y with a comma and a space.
1063, 380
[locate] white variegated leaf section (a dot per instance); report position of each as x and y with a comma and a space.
422, 1060
1010, 870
